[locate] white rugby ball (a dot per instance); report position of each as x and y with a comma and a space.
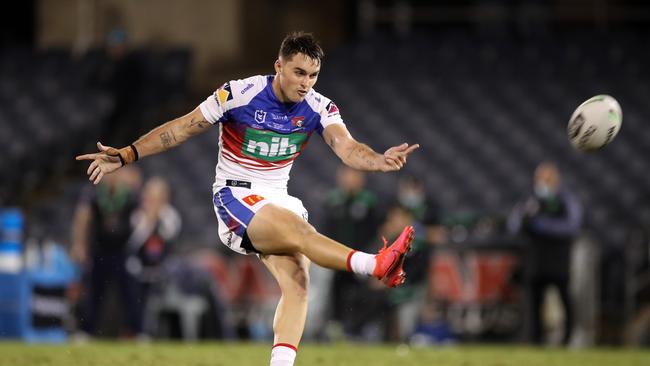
595, 123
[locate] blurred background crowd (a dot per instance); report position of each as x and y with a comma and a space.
519, 237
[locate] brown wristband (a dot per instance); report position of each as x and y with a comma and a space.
128, 154
135, 151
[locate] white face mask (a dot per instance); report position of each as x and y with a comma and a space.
410, 198
544, 191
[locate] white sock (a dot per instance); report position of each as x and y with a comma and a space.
362, 263
282, 355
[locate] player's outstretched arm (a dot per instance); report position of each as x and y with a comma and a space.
161, 138
360, 156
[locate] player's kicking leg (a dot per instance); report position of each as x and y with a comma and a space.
286, 243
276, 230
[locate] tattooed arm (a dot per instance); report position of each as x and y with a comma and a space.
360, 156
161, 138
172, 133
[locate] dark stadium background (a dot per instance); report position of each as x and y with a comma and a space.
486, 87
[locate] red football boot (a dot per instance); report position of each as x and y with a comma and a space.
391, 259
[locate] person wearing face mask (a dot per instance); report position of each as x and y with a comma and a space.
412, 195
352, 217
550, 219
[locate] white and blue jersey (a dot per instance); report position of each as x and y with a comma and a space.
259, 135
259, 139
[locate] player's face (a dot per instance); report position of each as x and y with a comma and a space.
296, 76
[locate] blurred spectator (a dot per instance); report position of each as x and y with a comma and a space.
156, 224
101, 231
431, 327
351, 208
637, 285
551, 219
412, 195
409, 298
351, 217
122, 75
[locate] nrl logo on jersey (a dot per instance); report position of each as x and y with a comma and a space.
260, 116
272, 146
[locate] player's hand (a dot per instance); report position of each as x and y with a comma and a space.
395, 157
107, 160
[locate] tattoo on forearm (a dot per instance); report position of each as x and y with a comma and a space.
166, 139
361, 151
352, 152
196, 122
371, 164
365, 156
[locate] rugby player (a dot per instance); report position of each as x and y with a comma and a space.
264, 123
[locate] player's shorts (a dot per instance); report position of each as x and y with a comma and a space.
235, 205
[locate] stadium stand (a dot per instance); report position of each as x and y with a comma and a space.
54, 105
45, 115
486, 111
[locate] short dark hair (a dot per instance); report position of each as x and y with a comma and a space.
301, 42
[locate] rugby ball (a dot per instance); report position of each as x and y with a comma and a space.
595, 123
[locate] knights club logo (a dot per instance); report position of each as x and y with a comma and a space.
298, 121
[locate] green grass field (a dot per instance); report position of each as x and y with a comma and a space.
227, 354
